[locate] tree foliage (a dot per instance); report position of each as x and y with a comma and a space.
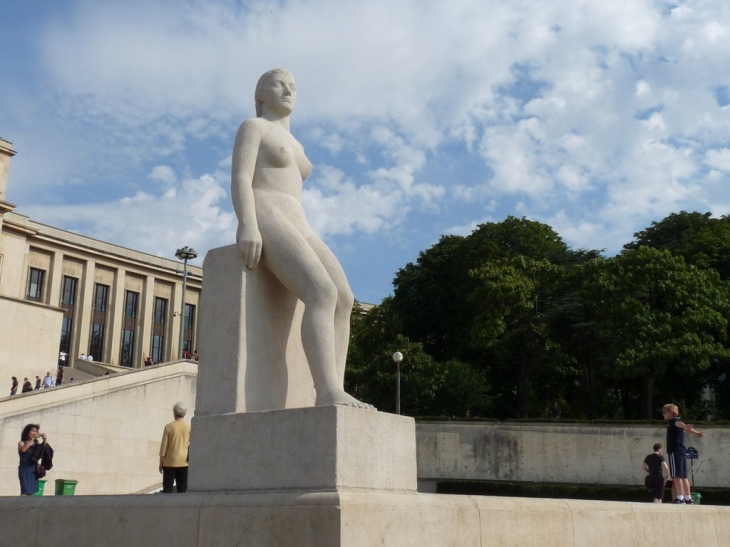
428, 387
509, 321
658, 313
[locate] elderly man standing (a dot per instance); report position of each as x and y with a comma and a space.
174, 452
48, 380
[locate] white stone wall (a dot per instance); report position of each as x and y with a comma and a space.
105, 433
29, 334
568, 453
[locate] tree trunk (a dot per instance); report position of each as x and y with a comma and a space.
647, 396
523, 387
590, 390
625, 400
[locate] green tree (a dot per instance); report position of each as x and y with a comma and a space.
701, 240
516, 298
432, 296
658, 312
428, 387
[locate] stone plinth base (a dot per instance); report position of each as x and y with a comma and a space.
250, 343
317, 448
353, 519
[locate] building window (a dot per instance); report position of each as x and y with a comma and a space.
67, 327
68, 291
158, 348
188, 328
35, 284
101, 295
158, 330
127, 356
129, 328
98, 321
96, 344
68, 300
130, 304
160, 310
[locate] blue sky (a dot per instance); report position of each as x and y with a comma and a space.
421, 117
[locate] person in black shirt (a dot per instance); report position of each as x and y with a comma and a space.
27, 386
655, 465
677, 452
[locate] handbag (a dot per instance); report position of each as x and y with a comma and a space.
39, 470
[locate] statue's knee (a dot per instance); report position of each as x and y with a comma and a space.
326, 294
345, 299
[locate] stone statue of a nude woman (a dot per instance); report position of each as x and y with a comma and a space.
269, 167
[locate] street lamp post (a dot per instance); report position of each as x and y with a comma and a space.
184, 254
397, 357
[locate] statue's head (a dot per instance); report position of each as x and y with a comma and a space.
261, 84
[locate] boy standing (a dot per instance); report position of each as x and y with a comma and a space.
677, 452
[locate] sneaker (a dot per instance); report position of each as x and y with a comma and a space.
689, 501
678, 501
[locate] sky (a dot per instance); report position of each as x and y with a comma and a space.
421, 117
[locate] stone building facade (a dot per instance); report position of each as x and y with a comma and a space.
63, 292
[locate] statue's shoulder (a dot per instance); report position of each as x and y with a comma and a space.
253, 125
251, 131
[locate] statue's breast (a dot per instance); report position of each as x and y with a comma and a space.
276, 152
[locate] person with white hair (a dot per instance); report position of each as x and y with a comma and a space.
174, 452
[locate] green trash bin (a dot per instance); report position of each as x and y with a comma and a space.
696, 497
65, 487
41, 485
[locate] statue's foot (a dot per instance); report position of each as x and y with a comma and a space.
341, 398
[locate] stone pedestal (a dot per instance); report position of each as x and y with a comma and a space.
251, 354
327, 448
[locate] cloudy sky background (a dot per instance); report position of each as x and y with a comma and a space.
421, 117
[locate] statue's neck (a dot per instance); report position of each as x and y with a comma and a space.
282, 121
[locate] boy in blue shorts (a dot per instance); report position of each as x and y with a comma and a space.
677, 453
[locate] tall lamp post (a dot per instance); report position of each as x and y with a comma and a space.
397, 357
184, 254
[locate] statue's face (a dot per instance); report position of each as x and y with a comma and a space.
280, 93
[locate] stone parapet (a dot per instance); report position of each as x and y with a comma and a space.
354, 519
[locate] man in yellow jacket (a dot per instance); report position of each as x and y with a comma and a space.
174, 452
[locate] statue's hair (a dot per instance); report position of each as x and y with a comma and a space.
265, 77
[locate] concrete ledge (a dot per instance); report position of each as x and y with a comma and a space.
316, 448
354, 519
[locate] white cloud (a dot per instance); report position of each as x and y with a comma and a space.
598, 116
156, 223
718, 159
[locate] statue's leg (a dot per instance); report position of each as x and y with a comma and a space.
291, 258
345, 301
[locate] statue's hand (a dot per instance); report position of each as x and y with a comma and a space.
249, 243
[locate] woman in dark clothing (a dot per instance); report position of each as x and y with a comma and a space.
27, 386
26, 450
14, 387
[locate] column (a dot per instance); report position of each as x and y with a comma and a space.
55, 279
146, 311
116, 316
85, 302
176, 316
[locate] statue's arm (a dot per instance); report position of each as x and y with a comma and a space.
245, 152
